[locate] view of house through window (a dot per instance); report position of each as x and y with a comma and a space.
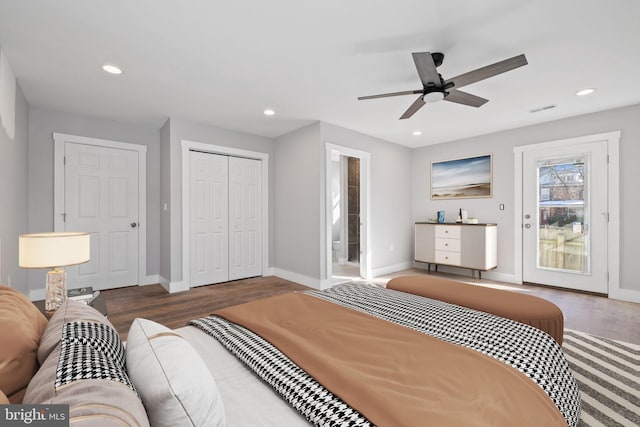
562, 242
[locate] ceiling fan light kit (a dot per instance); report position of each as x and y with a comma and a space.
435, 88
433, 96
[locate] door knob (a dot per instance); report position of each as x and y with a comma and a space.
527, 226
134, 224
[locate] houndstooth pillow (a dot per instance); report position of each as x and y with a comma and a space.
91, 351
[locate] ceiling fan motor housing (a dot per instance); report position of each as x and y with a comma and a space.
437, 58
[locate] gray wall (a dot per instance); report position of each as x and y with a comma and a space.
42, 124
165, 200
180, 130
297, 211
300, 201
391, 197
13, 196
501, 145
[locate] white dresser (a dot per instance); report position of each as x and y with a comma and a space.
472, 246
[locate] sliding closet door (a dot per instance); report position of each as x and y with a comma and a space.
245, 225
209, 222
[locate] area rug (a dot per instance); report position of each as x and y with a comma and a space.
608, 375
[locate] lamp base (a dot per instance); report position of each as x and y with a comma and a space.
56, 290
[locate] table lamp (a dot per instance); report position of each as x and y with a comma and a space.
54, 250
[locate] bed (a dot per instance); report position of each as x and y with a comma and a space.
353, 355
464, 389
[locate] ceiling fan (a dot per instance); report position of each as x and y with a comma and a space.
435, 88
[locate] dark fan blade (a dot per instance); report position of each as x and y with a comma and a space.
417, 104
384, 95
426, 69
488, 71
460, 97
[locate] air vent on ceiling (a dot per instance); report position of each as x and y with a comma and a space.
537, 110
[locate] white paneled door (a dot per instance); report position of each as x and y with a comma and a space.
225, 218
101, 197
245, 215
209, 218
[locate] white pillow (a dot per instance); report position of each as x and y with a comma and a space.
176, 386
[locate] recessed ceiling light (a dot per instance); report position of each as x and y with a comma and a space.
111, 69
417, 133
584, 92
269, 112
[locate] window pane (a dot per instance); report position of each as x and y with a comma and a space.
561, 207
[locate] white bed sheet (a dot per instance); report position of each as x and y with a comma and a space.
248, 401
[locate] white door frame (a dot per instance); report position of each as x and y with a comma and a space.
59, 139
613, 234
186, 206
365, 207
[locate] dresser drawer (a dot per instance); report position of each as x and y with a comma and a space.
448, 231
452, 245
446, 257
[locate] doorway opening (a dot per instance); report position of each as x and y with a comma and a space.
345, 221
347, 208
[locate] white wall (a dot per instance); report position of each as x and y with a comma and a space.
501, 145
390, 197
42, 124
13, 195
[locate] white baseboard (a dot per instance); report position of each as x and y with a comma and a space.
390, 269
312, 282
173, 287
151, 280
39, 294
491, 275
630, 295
501, 277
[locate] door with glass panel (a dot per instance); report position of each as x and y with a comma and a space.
565, 219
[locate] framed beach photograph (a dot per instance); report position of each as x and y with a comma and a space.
466, 178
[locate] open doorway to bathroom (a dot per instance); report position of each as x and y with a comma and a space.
345, 230
347, 197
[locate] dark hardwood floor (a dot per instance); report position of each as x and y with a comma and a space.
175, 310
588, 313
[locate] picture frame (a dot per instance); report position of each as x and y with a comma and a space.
463, 178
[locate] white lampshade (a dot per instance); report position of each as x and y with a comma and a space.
46, 250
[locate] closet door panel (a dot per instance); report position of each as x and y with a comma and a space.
245, 227
209, 220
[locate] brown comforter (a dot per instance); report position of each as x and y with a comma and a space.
391, 374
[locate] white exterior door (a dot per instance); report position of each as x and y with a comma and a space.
209, 242
245, 207
565, 218
101, 197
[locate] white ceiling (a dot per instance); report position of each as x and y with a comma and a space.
223, 63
